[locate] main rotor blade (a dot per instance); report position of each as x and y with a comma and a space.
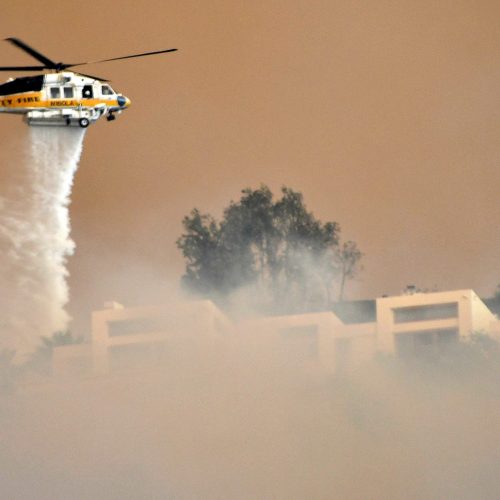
94, 77
22, 68
124, 57
32, 52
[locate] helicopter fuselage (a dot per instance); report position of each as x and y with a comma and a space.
61, 99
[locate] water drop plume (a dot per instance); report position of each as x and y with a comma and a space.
35, 237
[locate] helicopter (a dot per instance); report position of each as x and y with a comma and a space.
61, 98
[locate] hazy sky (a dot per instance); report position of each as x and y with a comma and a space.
384, 114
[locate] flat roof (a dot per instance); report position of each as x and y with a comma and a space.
493, 304
356, 311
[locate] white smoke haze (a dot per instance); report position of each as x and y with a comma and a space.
239, 423
34, 237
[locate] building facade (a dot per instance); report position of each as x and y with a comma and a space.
413, 324
429, 322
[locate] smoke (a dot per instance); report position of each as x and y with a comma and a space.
241, 424
34, 238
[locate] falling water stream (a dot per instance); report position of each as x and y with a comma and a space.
35, 237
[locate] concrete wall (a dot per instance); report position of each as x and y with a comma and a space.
471, 315
281, 331
178, 325
339, 347
362, 339
482, 317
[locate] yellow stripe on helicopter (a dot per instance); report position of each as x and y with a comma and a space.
34, 100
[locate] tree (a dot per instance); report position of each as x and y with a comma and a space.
305, 251
277, 248
348, 257
201, 248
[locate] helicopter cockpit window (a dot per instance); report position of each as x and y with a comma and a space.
68, 92
106, 90
55, 93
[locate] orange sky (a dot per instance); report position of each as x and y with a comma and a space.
384, 114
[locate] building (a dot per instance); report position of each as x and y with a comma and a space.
138, 337
317, 339
429, 322
352, 333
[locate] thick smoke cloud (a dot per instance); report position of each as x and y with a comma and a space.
241, 424
34, 237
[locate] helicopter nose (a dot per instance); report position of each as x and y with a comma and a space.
123, 102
